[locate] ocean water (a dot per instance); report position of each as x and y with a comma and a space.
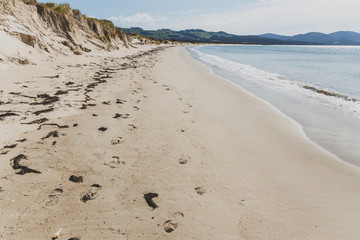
317, 86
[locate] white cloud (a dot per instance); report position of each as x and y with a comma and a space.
296, 16
138, 18
278, 16
261, 16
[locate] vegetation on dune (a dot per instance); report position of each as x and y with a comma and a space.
144, 39
58, 8
102, 21
30, 2
64, 8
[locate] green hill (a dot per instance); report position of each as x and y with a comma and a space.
201, 36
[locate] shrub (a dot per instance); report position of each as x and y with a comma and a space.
105, 22
29, 2
102, 22
59, 8
50, 5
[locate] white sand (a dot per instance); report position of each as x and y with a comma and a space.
259, 176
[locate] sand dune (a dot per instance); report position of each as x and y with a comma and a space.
31, 33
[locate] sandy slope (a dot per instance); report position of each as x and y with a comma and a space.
223, 164
31, 33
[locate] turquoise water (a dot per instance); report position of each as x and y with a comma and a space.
317, 86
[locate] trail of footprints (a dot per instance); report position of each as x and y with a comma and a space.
63, 88
93, 191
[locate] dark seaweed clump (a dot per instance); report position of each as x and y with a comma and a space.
149, 199
15, 162
331, 94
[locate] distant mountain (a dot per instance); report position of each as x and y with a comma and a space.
352, 36
314, 37
198, 35
275, 36
336, 38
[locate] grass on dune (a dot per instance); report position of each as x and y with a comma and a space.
64, 9
58, 8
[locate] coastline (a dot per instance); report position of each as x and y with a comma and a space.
331, 122
225, 164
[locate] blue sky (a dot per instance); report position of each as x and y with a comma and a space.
286, 17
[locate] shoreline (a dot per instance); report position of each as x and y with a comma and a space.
215, 161
300, 131
330, 127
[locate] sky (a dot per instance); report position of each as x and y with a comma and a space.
243, 17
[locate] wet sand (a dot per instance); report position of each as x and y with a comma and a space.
153, 146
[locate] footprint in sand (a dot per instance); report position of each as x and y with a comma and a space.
200, 190
54, 197
91, 193
132, 127
119, 101
184, 159
115, 163
172, 224
169, 226
122, 116
117, 141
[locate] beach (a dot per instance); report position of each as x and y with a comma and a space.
147, 143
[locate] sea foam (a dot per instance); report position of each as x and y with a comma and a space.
281, 83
